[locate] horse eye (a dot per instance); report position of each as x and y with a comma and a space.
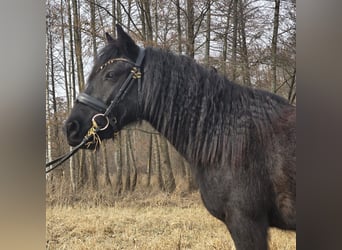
110, 75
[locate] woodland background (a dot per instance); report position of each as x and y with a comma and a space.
252, 42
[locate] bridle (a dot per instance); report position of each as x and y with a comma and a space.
104, 109
100, 106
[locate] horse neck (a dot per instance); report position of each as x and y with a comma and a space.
180, 101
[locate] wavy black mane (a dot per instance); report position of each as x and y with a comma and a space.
207, 117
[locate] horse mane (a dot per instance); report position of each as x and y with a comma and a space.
208, 118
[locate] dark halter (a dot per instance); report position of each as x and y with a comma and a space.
105, 109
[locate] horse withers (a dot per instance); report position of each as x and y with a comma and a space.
240, 142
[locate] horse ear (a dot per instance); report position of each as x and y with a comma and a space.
109, 38
124, 39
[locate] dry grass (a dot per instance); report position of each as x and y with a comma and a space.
161, 222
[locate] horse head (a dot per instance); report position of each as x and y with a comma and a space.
110, 99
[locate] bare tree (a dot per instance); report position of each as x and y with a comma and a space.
125, 160
132, 161
64, 56
149, 161
192, 185
275, 44
244, 51
72, 89
167, 174
114, 18
145, 10
190, 41
105, 165
225, 38
234, 45
92, 163
78, 44
208, 30
157, 163
93, 27
118, 163
179, 29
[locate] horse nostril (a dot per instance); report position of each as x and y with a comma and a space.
72, 128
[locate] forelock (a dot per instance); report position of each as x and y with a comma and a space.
108, 52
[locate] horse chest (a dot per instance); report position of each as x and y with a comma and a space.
215, 189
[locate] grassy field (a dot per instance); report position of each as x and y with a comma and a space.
160, 222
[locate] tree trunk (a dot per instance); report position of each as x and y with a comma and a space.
118, 12
148, 19
93, 27
54, 126
182, 166
208, 27
179, 29
167, 174
78, 45
190, 43
156, 161
64, 59
292, 92
114, 18
73, 174
125, 157
234, 45
245, 65
143, 22
101, 20
133, 162
129, 2
92, 158
275, 44
192, 185
71, 48
105, 165
83, 172
91, 162
156, 25
52, 79
72, 91
83, 175
149, 162
118, 163
225, 40
47, 105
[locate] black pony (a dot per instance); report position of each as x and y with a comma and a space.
240, 142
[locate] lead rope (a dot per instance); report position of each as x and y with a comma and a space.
90, 138
57, 162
